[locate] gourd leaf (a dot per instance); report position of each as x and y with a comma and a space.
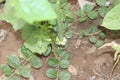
64, 75
64, 55
6, 70
9, 14
112, 19
27, 30
102, 11
51, 73
93, 14
101, 2
34, 10
13, 61
38, 42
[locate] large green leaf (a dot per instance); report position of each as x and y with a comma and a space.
38, 42
34, 10
112, 19
9, 15
116, 2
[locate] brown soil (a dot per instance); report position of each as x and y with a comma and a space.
89, 62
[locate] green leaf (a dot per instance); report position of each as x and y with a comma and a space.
116, 2
51, 73
64, 75
6, 69
38, 42
13, 61
112, 19
99, 43
82, 19
26, 53
24, 71
80, 12
48, 51
69, 33
27, 30
9, 14
35, 62
100, 22
88, 7
53, 62
34, 10
93, 29
83, 33
92, 39
64, 55
101, 2
53, 22
102, 11
92, 15
64, 63
102, 35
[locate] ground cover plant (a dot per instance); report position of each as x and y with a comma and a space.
45, 31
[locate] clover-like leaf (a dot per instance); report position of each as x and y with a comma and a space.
80, 12
83, 33
64, 75
48, 51
51, 73
88, 7
64, 63
92, 39
24, 71
35, 62
102, 35
82, 19
53, 62
13, 61
93, 29
64, 55
99, 43
6, 70
102, 11
93, 14
69, 33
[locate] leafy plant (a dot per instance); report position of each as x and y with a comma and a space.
92, 33
43, 29
55, 64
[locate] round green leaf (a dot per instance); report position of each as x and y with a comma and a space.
51, 73
102, 35
80, 13
64, 75
13, 61
88, 7
47, 52
92, 39
93, 15
99, 43
69, 33
35, 62
64, 55
82, 19
93, 29
102, 11
6, 70
64, 63
24, 71
53, 62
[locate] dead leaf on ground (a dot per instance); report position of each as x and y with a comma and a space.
72, 70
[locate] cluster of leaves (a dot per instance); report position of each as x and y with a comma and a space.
89, 11
16, 68
94, 36
61, 62
42, 29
